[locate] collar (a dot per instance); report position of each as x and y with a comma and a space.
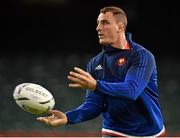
109, 48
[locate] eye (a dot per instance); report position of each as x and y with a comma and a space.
104, 22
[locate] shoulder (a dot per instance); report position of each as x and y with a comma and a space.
96, 58
141, 53
94, 62
139, 49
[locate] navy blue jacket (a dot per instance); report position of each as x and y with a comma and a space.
127, 93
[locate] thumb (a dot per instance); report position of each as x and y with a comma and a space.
53, 111
50, 111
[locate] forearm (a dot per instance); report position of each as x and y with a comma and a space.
129, 90
90, 109
80, 115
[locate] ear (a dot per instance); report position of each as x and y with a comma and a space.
120, 27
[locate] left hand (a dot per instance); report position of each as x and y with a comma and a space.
81, 79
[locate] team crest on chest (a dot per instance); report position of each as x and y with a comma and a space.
121, 61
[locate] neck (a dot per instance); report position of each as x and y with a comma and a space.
124, 46
120, 43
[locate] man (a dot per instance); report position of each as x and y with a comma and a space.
121, 83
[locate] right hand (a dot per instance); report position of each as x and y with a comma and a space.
56, 118
81, 79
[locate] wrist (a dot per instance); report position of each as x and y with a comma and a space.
94, 86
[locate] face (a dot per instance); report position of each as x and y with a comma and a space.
108, 28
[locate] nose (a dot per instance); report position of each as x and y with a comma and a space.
98, 27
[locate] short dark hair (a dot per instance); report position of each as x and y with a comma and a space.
117, 12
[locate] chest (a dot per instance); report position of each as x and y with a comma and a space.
113, 67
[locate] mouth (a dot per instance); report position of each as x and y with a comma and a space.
100, 35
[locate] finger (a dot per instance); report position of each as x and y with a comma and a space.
55, 122
42, 119
82, 72
76, 75
53, 111
75, 85
78, 83
77, 80
39, 118
50, 111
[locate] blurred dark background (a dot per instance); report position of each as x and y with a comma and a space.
42, 40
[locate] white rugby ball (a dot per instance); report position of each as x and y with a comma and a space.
33, 98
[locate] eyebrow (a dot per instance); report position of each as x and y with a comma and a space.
104, 20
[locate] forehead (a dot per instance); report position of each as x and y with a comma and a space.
105, 16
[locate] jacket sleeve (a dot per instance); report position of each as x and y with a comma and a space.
91, 108
137, 78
